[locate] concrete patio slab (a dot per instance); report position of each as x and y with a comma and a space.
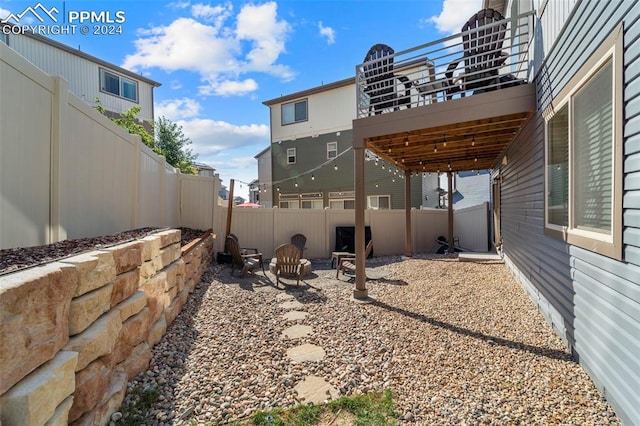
316, 389
295, 315
297, 331
306, 352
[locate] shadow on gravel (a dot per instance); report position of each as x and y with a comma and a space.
493, 340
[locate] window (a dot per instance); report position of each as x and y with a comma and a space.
294, 112
342, 204
312, 200
583, 155
291, 155
289, 201
118, 85
378, 202
332, 150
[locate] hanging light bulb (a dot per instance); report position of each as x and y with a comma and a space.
376, 185
475, 159
444, 140
406, 142
278, 189
335, 166
313, 177
473, 141
296, 184
383, 167
393, 180
449, 164
435, 148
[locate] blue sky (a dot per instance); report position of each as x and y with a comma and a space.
218, 61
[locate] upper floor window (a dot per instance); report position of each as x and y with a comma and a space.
118, 85
583, 155
294, 112
332, 150
291, 155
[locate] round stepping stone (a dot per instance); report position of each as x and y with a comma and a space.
315, 389
284, 296
297, 331
294, 304
295, 315
306, 352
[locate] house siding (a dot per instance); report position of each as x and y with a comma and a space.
312, 151
82, 75
592, 301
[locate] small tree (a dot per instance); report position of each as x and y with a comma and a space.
129, 121
169, 139
171, 142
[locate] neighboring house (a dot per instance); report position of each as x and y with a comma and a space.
265, 176
204, 169
87, 76
223, 193
311, 157
239, 200
254, 191
564, 153
469, 189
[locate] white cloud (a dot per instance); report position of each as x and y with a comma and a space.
218, 51
4, 13
226, 88
454, 14
211, 137
176, 84
327, 32
175, 109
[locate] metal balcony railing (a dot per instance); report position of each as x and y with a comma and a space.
490, 57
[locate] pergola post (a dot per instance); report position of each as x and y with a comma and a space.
360, 291
450, 207
408, 243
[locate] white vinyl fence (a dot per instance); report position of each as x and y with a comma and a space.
265, 229
66, 171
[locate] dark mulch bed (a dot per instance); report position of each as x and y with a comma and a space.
24, 257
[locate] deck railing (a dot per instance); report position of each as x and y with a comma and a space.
489, 57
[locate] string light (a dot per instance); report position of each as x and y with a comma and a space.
473, 141
335, 166
313, 177
435, 148
444, 140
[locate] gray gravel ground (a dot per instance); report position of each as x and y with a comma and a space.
456, 342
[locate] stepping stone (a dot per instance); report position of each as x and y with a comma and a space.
295, 315
284, 296
306, 352
297, 331
294, 304
315, 389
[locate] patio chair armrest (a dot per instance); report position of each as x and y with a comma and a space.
346, 259
246, 250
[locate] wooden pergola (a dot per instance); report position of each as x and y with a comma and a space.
469, 133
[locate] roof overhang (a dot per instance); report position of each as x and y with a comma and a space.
469, 133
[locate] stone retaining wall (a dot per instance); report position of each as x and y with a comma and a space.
74, 332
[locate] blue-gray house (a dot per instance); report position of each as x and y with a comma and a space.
546, 95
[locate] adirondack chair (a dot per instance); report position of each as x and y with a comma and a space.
483, 56
299, 240
244, 262
380, 81
243, 250
288, 262
348, 264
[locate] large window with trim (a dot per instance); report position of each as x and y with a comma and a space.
583, 155
294, 112
118, 85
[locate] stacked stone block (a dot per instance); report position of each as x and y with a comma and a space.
75, 332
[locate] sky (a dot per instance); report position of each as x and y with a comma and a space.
219, 61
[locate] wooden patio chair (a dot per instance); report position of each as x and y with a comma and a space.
348, 264
243, 250
244, 262
288, 262
299, 240
380, 81
483, 56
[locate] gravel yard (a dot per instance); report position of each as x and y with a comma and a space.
456, 342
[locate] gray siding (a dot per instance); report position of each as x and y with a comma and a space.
592, 301
311, 152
